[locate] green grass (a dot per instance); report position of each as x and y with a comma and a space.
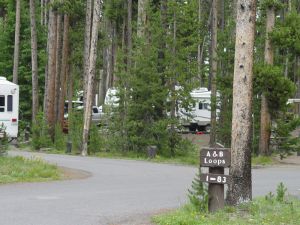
19, 169
260, 211
191, 158
262, 160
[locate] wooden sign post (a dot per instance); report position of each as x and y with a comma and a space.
216, 159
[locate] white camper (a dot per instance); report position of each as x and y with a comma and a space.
199, 115
9, 107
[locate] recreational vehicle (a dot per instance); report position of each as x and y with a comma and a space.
9, 108
199, 115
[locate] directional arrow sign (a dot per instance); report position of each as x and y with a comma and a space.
215, 157
215, 178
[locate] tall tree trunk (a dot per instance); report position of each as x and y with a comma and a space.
34, 62
17, 41
50, 91
172, 89
240, 189
129, 34
265, 117
199, 60
91, 75
64, 65
110, 57
142, 17
286, 65
87, 38
58, 64
214, 67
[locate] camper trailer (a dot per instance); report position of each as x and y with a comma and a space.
9, 108
199, 114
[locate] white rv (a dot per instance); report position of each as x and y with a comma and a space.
199, 115
9, 107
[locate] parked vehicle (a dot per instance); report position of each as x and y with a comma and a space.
198, 117
9, 108
78, 106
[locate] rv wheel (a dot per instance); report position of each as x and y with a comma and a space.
193, 127
207, 128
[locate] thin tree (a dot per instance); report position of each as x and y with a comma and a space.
17, 41
240, 189
199, 60
214, 67
34, 62
87, 38
90, 75
64, 65
265, 117
58, 64
129, 33
142, 17
51, 72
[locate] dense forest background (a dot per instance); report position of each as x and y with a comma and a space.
146, 49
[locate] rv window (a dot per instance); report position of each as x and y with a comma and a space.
2, 103
9, 103
203, 105
95, 110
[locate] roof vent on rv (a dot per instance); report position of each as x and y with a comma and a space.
2, 78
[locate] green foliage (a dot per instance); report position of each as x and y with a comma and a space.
59, 138
3, 140
95, 140
284, 142
198, 195
75, 130
277, 4
113, 9
269, 80
259, 211
286, 34
281, 192
40, 135
7, 30
19, 169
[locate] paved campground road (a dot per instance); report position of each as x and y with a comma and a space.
117, 191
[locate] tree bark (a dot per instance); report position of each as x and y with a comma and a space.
34, 62
91, 75
58, 65
63, 73
17, 41
199, 59
129, 34
142, 17
87, 39
265, 117
50, 91
214, 67
240, 189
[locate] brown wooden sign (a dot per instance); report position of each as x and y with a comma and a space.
215, 157
215, 178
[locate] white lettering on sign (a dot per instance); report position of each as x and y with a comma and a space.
215, 178
219, 179
208, 154
215, 154
215, 161
221, 154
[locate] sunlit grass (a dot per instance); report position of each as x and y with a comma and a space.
260, 211
19, 169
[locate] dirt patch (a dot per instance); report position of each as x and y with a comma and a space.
70, 174
292, 160
198, 139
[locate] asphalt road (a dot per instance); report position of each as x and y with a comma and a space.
116, 191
